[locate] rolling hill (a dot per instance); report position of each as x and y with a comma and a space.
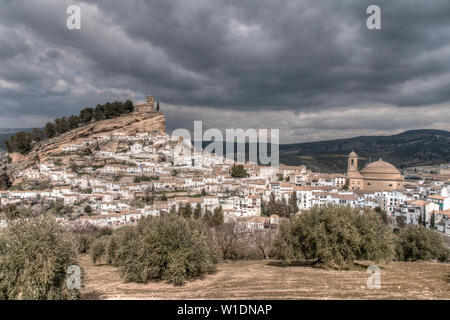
410, 148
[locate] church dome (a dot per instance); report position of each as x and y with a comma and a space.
380, 167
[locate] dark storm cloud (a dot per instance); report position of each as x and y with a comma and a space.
236, 55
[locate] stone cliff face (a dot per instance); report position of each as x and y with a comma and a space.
129, 124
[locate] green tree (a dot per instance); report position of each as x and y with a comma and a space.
88, 209
157, 106
238, 171
72, 122
86, 115
168, 248
20, 142
38, 134
198, 211
293, 203
97, 250
208, 217
61, 125
272, 205
129, 107
34, 257
186, 210
99, 112
50, 130
419, 243
217, 218
335, 236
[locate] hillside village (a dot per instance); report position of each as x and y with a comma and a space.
117, 177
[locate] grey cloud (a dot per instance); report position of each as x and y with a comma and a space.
295, 56
315, 125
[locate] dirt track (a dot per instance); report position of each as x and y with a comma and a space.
269, 280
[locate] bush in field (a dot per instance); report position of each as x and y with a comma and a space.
112, 249
419, 243
34, 256
85, 234
172, 249
334, 236
97, 249
84, 242
117, 247
169, 248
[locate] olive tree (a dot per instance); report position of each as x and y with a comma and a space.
170, 248
419, 243
334, 236
34, 257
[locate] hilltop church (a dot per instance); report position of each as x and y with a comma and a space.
378, 175
145, 107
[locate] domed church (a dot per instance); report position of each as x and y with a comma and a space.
378, 175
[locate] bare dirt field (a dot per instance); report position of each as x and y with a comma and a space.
270, 280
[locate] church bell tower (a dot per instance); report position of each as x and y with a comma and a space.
352, 163
150, 102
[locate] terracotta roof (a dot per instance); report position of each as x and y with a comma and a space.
380, 166
437, 197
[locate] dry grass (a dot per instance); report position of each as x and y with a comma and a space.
270, 280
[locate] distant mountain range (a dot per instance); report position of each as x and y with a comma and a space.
410, 148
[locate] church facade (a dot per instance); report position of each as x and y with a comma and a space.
145, 107
378, 175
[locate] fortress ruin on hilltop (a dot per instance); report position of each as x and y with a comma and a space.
145, 107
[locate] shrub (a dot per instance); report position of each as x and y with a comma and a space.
419, 243
334, 236
86, 233
97, 249
34, 258
112, 248
169, 248
88, 209
238, 171
84, 242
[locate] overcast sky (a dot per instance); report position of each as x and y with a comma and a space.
310, 68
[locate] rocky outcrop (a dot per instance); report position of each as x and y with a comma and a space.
129, 124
